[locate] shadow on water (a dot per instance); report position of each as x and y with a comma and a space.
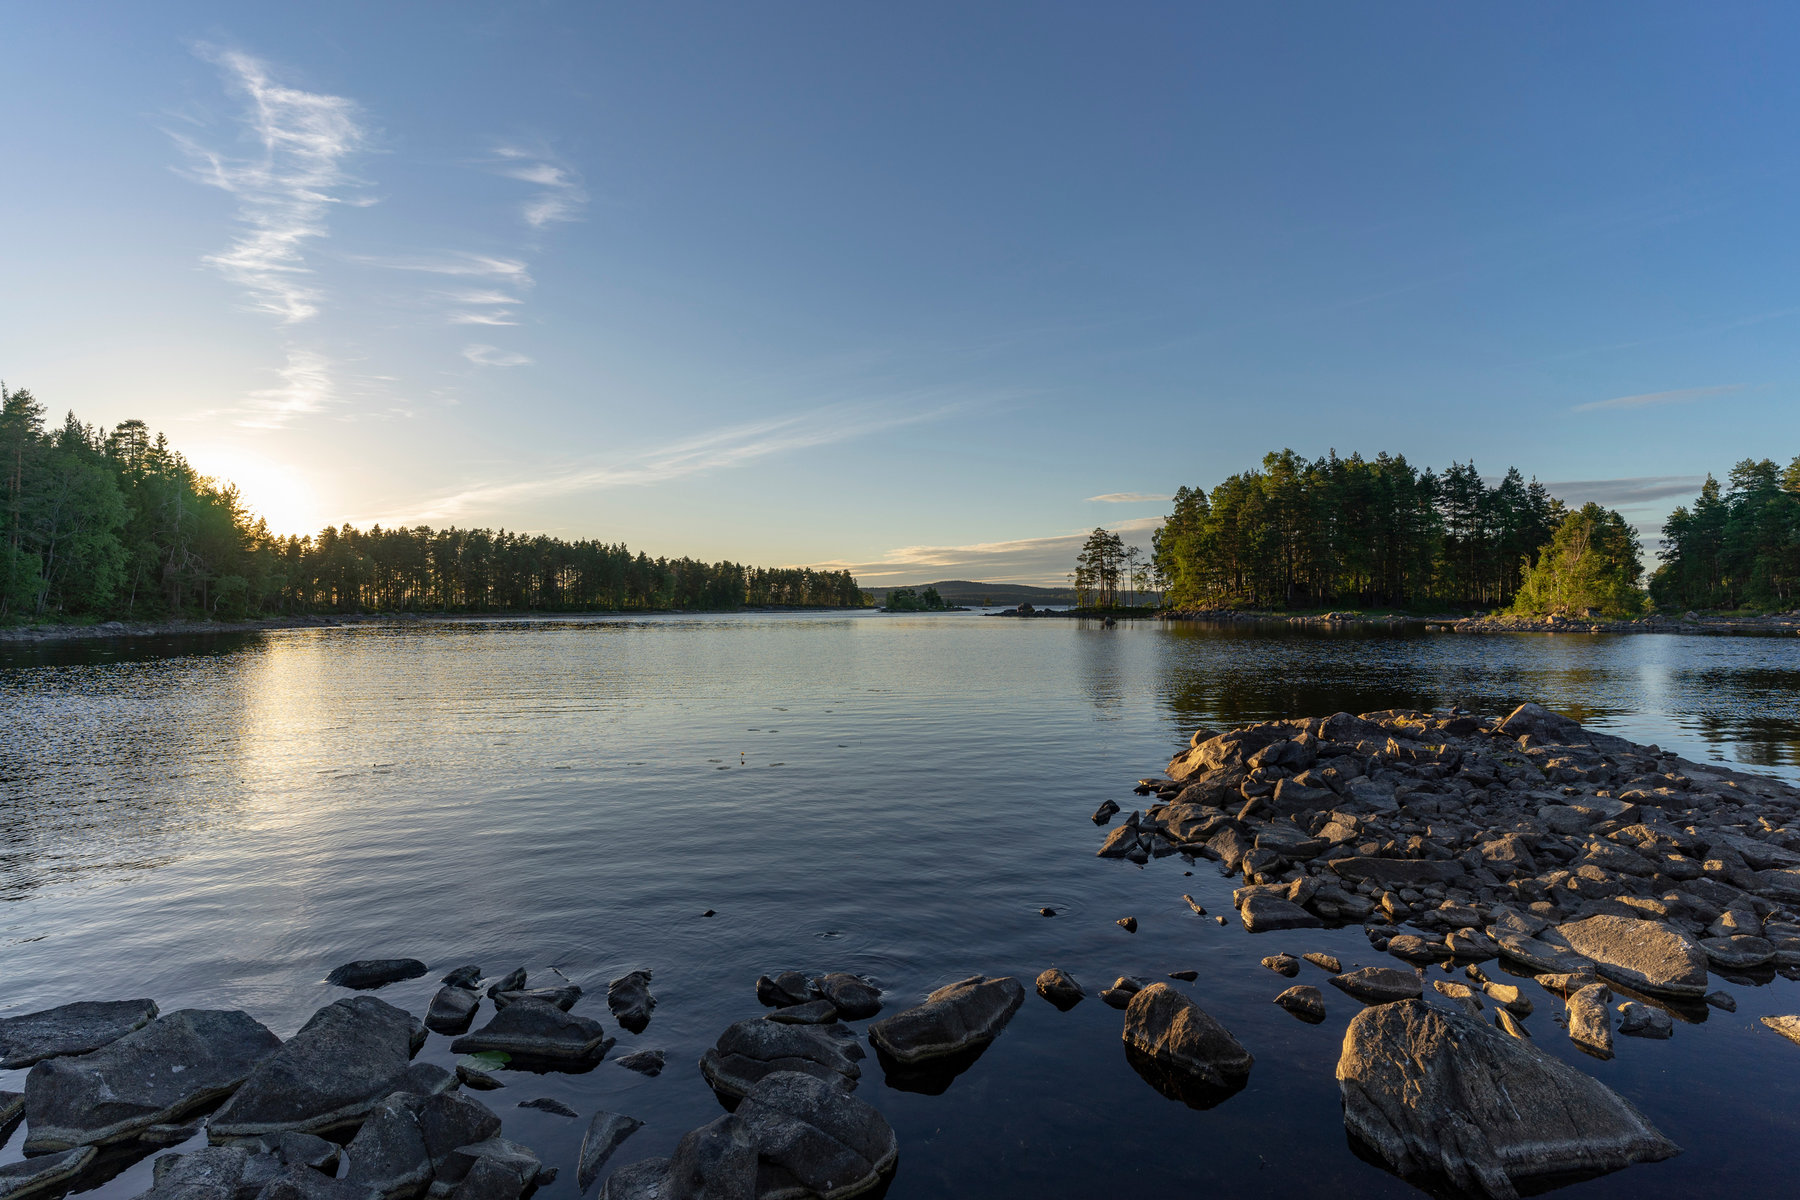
1179, 1085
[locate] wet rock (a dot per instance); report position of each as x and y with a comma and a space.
79, 1028
854, 998
813, 1012
1060, 988
644, 1180
1128, 924
630, 1000
1645, 956
1107, 811
749, 1050
1509, 995
541, 1032
1379, 985
1414, 948
452, 1009
1122, 990
813, 1140
1787, 1026
512, 981
1590, 1021
1305, 1002
1199, 908
1325, 962
32, 1176
645, 1062
463, 977
1645, 1021
1168, 1028
1266, 913
157, 1135
1123, 842
605, 1134
345, 1058
368, 973
1435, 1093
1283, 964
1186, 976
563, 997
550, 1105
175, 1065
783, 989
12, 1107
953, 1019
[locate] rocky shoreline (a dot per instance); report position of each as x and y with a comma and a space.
164, 629
1692, 624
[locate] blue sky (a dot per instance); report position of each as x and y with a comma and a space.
925, 290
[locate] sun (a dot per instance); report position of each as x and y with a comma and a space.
277, 493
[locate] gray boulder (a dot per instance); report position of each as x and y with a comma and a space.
78, 1028
749, 1050
630, 1000
304, 1183
512, 981
1436, 1093
1168, 1028
452, 1010
31, 1176
957, 1017
368, 973
12, 1107
813, 1140
1060, 988
605, 1134
1645, 1021
463, 977
645, 1062
491, 1169
344, 1059
1646, 956
388, 1153
539, 1031
1536, 719
1305, 1002
813, 1012
783, 989
1263, 912
854, 998
175, 1065
1379, 985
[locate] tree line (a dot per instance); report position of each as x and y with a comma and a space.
1737, 547
117, 524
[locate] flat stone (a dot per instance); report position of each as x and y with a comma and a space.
1541, 955
535, 1030
452, 1010
1645, 956
1060, 988
177, 1064
1265, 913
212, 1173
749, 1050
31, 1176
78, 1028
493, 1169
605, 1134
854, 998
1166, 1026
955, 1018
1379, 985
630, 1000
1440, 1094
1413, 948
367, 973
1305, 1002
344, 1059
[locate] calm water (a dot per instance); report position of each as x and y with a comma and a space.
219, 825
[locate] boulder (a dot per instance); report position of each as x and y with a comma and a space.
452, 1010
1536, 719
1739, 952
1379, 985
512, 981
388, 1153
1646, 956
630, 1000
1282, 964
30, 1176
1305, 1002
1325, 962
78, 1028
1167, 1027
955, 1018
853, 997
1060, 988
177, 1064
605, 1134
491, 1169
1645, 1021
304, 1183
751, 1049
813, 1140
368, 973
1397, 872
539, 1032
12, 1107
213, 1173
1441, 1094
1263, 912
645, 1062
563, 997
1541, 955
813, 1012
783, 989
344, 1059
463, 977
1590, 1021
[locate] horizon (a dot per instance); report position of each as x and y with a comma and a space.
918, 294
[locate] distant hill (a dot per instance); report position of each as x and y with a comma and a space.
965, 591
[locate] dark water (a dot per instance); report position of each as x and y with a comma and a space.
219, 825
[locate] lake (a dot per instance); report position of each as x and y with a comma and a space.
217, 824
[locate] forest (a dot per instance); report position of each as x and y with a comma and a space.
102, 525
1737, 547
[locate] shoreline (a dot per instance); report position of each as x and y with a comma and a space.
1691, 624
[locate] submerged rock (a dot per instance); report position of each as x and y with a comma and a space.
550, 1104
345, 1058
1440, 1094
955, 1018
1060, 988
1379, 985
175, 1065
645, 1062
749, 1050
368, 973
535, 1030
31, 1176
78, 1028
1164, 1025
630, 1000
1282, 964
854, 998
605, 1134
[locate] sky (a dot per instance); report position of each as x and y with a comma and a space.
927, 290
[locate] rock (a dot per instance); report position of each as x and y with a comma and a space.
1282, 964
1436, 1093
1541, 955
1590, 1021
463, 977
1305, 1002
1645, 1021
493, 1169
1721, 1001
1185, 975
813, 1012
1646, 956
562, 997
1199, 908
1059, 988
1536, 719
1325, 962
1397, 872
304, 1183
541, 1033
955, 1018
605, 1134
1511, 1024
30, 1176
452, 1009
854, 998
1788, 1026
1128, 924
1107, 810
475, 1077
1509, 995
642, 1180
388, 1153
644, 1062
813, 1140
550, 1105
512, 981
344, 1059
749, 1050
1266, 913
783, 989
1168, 1028
78, 1028
368, 973
714, 1162
1414, 948
1739, 952
1379, 985
12, 1107
177, 1064
1123, 842
630, 1000
214, 1173
305, 1150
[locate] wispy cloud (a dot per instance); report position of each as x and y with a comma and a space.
1643, 489
1037, 560
1654, 399
1130, 498
561, 196
717, 450
285, 189
459, 265
492, 356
